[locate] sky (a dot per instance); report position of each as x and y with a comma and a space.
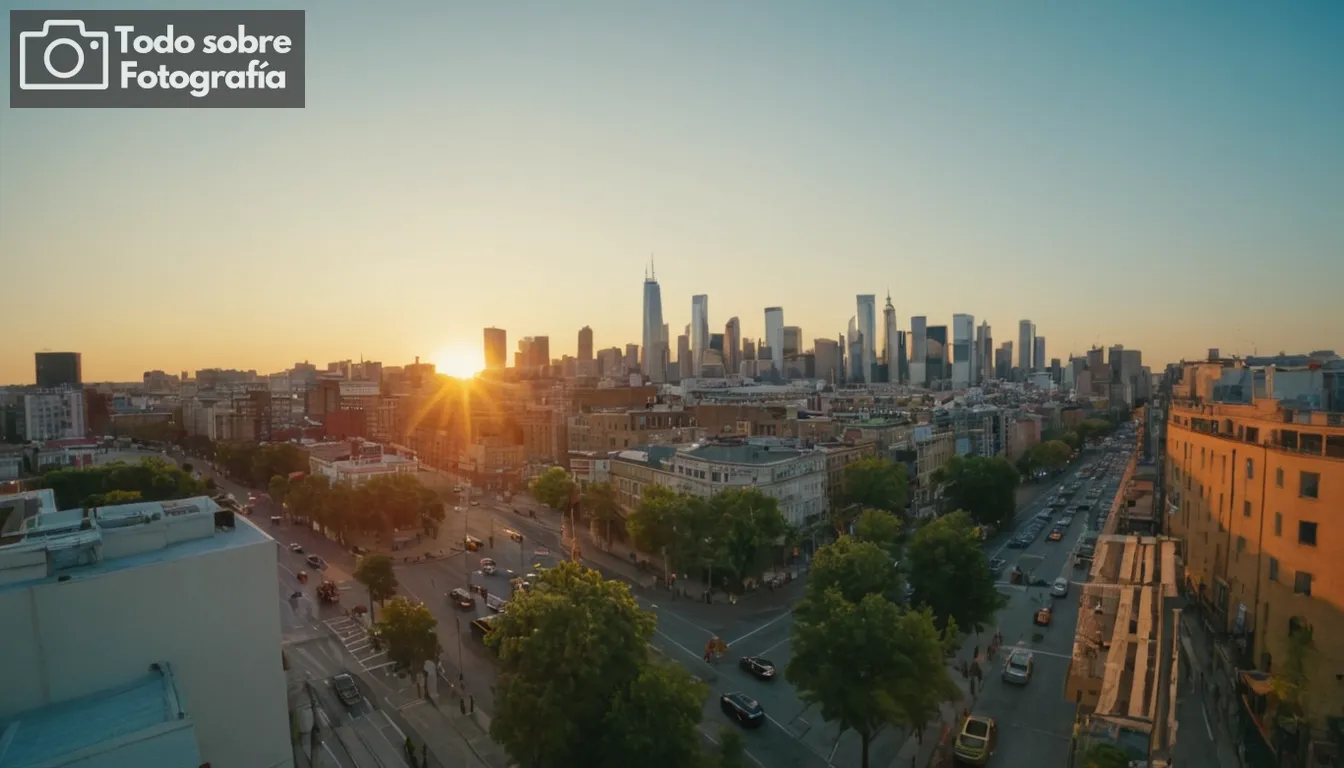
1164, 176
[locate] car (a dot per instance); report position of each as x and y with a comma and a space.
462, 599
996, 566
472, 544
316, 562
1060, 588
976, 741
1044, 616
475, 503
1019, 543
747, 711
761, 669
296, 547
347, 689
1019, 666
1056, 534
488, 566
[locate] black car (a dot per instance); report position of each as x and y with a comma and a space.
462, 599
1019, 543
347, 689
996, 566
745, 710
761, 669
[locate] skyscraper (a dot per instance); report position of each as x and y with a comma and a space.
827, 355
983, 369
732, 346
867, 315
58, 369
496, 349
854, 358
774, 336
890, 352
1026, 344
585, 343
919, 349
1038, 361
699, 331
684, 368
936, 365
654, 340
963, 350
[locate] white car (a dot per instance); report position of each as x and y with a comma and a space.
1060, 588
296, 547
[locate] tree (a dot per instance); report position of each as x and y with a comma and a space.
948, 572
732, 752
1291, 679
1071, 439
868, 664
277, 488
1091, 428
554, 488
601, 505
375, 572
854, 569
984, 487
1051, 455
307, 498
186, 467
1104, 754
746, 526
881, 528
409, 634
675, 524
396, 502
152, 478
877, 483
575, 686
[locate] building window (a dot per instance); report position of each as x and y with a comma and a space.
1309, 485
1306, 534
1278, 477
1241, 544
1273, 569
1246, 509
1302, 583
1250, 469
1252, 435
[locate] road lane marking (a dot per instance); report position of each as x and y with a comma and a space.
672, 614
805, 745
784, 615
334, 758
715, 742
773, 647
1207, 725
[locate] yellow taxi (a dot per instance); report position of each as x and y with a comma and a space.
976, 741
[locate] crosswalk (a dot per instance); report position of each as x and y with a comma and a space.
354, 635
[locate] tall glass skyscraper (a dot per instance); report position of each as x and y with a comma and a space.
867, 318
774, 336
654, 349
1026, 344
919, 350
699, 331
963, 350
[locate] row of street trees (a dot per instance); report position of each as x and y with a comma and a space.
255, 464
734, 534
599, 504
150, 479
381, 505
984, 487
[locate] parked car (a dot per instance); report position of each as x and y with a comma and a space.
346, 689
761, 669
1019, 666
1060, 588
462, 599
316, 562
747, 711
976, 740
996, 566
296, 548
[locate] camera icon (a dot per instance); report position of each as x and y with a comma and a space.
37, 71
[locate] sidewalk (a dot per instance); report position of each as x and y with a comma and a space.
920, 748
454, 737
1207, 701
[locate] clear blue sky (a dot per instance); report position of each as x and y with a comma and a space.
1166, 176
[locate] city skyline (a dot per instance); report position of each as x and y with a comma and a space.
1031, 170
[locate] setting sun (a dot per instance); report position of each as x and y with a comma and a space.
459, 361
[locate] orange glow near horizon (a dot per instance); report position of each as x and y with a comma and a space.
459, 361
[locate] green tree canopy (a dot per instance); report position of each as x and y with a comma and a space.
602, 507
576, 686
676, 523
554, 488
949, 574
375, 572
409, 634
884, 529
256, 464
854, 569
984, 487
732, 751
1051, 455
277, 488
1104, 754
868, 664
153, 479
877, 483
746, 527
1092, 428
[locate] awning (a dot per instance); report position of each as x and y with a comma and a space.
1258, 683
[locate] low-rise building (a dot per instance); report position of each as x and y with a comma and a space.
54, 414
796, 477
356, 462
838, 456
617, 430
105, 655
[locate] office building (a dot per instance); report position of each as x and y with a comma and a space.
854, 353
1026, 345
1038, 359
59, 369
774, 336
919, 349
496, 349
586, 344
936, 362
793, 341
984, 355
963, 350
732, 346
1003, 361
54, 414
867, 317
902, 372
685, 368
890, 352
143, 634
699, 331
654, 339
826, 353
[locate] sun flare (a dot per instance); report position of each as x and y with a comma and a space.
460, 362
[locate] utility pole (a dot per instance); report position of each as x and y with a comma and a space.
466, 531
